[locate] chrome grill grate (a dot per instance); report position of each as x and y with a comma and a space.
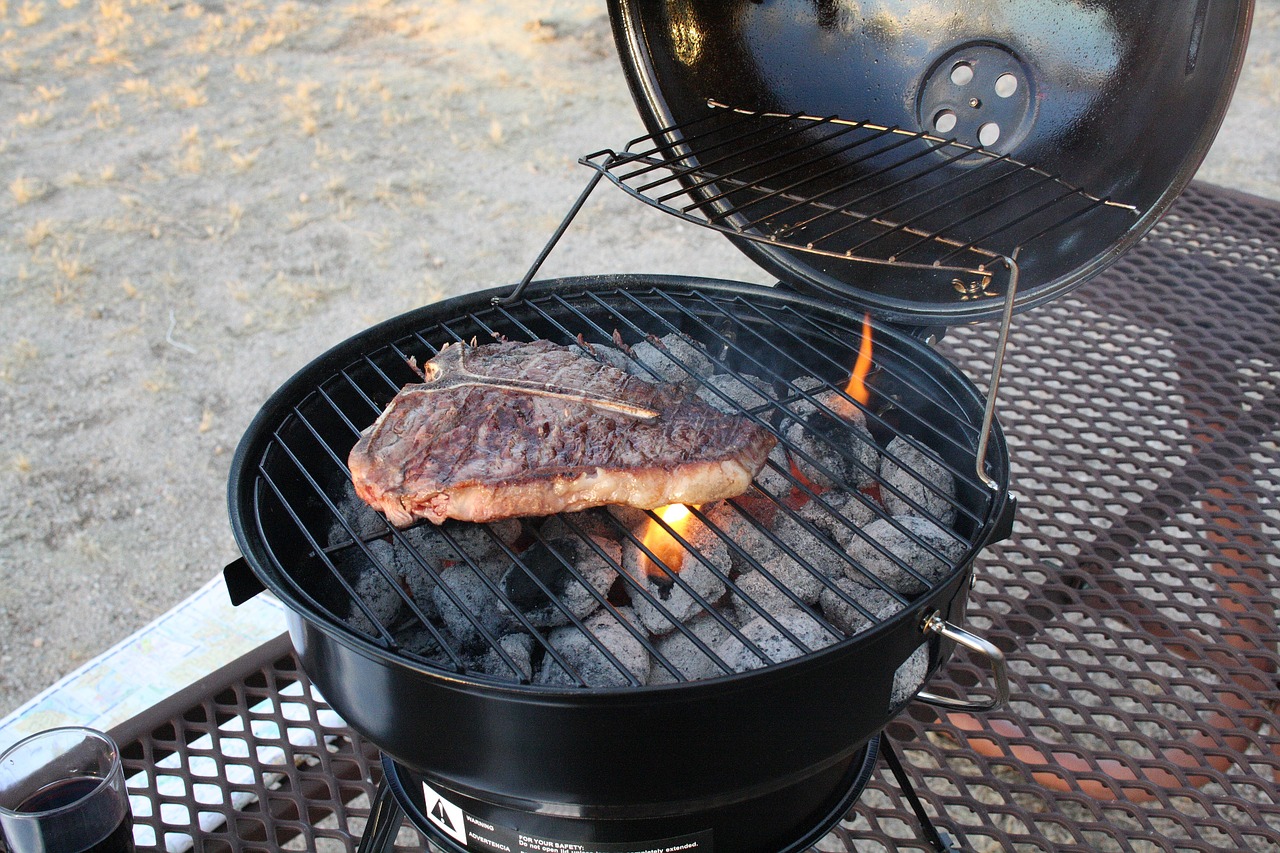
365, 578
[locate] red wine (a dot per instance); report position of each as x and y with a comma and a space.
67, 791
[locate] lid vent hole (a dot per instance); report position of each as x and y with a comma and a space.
1006, 85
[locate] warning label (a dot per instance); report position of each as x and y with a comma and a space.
444, 814
482, 837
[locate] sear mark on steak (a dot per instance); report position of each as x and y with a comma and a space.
505, 448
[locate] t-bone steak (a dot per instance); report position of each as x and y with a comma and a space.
527, 429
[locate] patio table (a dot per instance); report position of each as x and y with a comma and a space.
1136, 601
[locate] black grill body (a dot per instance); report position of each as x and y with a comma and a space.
788, 732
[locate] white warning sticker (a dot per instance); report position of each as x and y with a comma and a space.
444, 814
479, 836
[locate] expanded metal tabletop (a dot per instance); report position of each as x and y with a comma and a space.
1136, 600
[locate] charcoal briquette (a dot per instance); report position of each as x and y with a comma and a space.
838, 513
518, 647
843, 615
899, 544
832, 451
919, 477
675, 603
381, 596
681, 652
584, 655
909, 677
744, 392
546, 566
478, 605
770, 640
661, 359
775, 477
606, 354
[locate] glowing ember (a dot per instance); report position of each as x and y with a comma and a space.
661, 543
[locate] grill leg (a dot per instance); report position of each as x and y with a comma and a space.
384, 823
939, 841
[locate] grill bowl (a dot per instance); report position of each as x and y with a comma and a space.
783, 736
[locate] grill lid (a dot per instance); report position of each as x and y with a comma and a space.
933, 142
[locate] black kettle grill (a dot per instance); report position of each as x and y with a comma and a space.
927, 164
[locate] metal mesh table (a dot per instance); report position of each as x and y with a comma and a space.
1137, 601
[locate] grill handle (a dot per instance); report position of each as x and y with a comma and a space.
935, 624
242, 583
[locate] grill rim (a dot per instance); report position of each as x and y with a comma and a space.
244, 487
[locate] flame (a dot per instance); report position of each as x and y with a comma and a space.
661, 543
857, 387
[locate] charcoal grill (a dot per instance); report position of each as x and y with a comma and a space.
917, 227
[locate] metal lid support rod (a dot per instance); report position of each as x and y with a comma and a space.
515, 294
1002, 342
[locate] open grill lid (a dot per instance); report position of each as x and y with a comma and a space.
935, 141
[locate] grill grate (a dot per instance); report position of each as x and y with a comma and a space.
853, 190
348, 565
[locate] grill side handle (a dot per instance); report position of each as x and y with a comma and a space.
935, 624
242, 583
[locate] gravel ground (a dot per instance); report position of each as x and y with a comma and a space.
198, 198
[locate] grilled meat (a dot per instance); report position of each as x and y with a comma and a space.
525, 429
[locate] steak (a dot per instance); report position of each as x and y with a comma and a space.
527, 429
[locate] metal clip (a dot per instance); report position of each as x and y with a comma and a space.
935, 624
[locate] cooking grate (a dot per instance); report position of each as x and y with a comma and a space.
365, 577
854, 190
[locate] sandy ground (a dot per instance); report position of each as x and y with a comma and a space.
198, 198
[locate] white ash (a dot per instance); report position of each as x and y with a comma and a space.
772, 642
548, 561
682, 653
736, 523
838, 513
660, 356
584, 656
810, 385
842, 451
476, 599
770, 595
840, 613
519, 647
909, 677
674, 601
919, 477
899, 544
744, 392
814, 550
606, 354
